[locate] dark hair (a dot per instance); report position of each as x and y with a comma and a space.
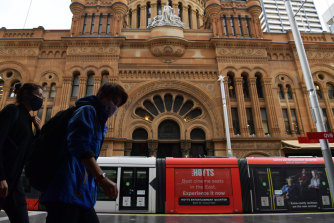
114, 91
27, 88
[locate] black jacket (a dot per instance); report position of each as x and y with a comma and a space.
16, 137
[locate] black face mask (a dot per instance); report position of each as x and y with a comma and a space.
36, 103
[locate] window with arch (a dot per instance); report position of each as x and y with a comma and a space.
180, 8
44, 88
231, 88
159, 7
12, 93
235, 121
90, 84
138, 16
2, 84
289, 91
197, 134
85, 24
168, 103
280, 91
232, 25
108, 23
259, 86
100, 23
52, 92
225, 25
318, 90
139, 134
92, 25
330, 90
75, 85
105, 77
168, 130
148, 14
197, 19
189, 16
245, 85
130, 18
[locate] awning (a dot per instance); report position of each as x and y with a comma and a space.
294, 144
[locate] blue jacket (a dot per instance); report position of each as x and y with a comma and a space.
74, 184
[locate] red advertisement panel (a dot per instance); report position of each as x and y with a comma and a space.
202, 186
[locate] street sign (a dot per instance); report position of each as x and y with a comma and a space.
307, 140
320, 135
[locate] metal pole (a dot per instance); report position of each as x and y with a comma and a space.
227, 129
314, 103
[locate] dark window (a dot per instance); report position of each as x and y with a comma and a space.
264, 121
318, 90
148, 14
186, 107
180, 10
235, 121
247, 26
197, 134
150, 107
289, 93
48, 114
286, 121
168, 101
85, 24
92, 25
281, 92
130, 18
295, 121
159, 103
245, 86
193, 114
111, 174
100, 23
259, 87
138, 16
197, 19
12, 89
2, 83
330, 89
105, 77
52, 92
44, 88
159, 8
250, 122
189, 16
169, 130
240, 26
140, 133
108, 23
231, 88
177, 103
144, 114
326, 122
75, 85
232, 25
90, 85
225, 25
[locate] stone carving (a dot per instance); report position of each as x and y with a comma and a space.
168, 18
240, 52
93, 50
18, 52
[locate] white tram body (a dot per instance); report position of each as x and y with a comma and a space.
135, 178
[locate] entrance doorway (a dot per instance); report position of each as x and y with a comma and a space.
169, 131
169, 150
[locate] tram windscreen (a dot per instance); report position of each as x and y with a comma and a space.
111, 173
292, 188
203, 186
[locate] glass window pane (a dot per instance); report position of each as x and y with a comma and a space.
198, 134
75, 86
168, 101
326, 122
140, 133
186, 107
193, 114
144, 114
294, 121
150, 107
286, 121
235, 121
177, 103
90, 85
264, 121
48, 114
250, 121
330, 89
52, 93
159, 103
111, 174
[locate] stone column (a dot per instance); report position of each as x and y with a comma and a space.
185, 17
154, 10
241, 107
134, 19
152, 148
127, 148
256, 107
82, 86
104, 24
270, 107
97, 83
143, 17
209, 148
193, 19
66, 92
185, 148
200, 20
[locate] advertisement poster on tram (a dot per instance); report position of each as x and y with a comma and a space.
203, 186
291, 188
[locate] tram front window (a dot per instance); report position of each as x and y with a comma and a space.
112, 175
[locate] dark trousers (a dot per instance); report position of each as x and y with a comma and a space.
15, 205
69, 213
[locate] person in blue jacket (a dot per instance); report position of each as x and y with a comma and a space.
71, 195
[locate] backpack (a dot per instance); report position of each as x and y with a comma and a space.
49, 150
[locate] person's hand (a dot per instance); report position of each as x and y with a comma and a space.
37, 122
109, 188
3, 188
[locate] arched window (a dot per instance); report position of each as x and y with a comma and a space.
189, 16
193, 114
148, 14
75, 85
130, 18
330, 89
85, 24
280, 92
289, 92
186, 107
159, 7
100, 23
168, 101
140, 134
108, 23
2, 83
159, 103
105, 77
52, 92
259, 86
92, 25
318, 90
245, 85
177, 103
44, 88
150, 107
144, 114
90, 84
180, 8
197, 134
12, 89
230, 85
138, 16
197, 19
169, 130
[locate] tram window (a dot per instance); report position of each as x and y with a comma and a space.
112, 175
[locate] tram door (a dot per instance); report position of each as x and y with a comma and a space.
134, 189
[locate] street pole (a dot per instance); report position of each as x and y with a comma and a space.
227, 129
314, 103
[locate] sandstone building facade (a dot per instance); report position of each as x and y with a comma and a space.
170, 73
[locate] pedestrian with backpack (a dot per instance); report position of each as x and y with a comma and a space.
16, 138
71, 195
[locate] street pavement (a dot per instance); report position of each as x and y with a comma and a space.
323, 217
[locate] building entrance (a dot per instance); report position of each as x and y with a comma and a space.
169, 150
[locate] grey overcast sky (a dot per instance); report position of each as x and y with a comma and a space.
56, 14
